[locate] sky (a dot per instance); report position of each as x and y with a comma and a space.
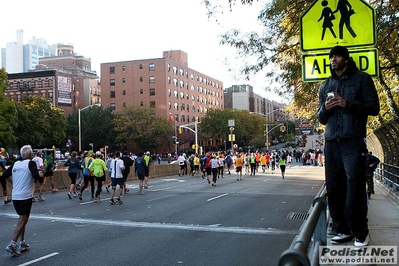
122, 30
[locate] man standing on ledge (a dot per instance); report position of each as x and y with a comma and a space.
346, 99
24, 173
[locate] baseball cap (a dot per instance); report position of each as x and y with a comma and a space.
340, 50
98, 153
148, 153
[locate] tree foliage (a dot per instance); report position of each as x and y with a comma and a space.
7, 115
276, 53
38, 123
142, 127
96, 126
249, 129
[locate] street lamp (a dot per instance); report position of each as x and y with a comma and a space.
80, 129
267, 125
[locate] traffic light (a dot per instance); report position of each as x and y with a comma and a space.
180, 130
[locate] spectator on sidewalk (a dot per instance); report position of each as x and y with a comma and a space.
346, 99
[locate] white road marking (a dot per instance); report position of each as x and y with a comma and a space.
218, 197
168, 196
156, 225
39, 259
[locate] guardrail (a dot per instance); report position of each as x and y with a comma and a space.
313, 231
389, 175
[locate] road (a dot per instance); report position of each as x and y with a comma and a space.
179, 221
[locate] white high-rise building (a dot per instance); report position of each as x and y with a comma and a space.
18, 57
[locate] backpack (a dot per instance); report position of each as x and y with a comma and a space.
229, 161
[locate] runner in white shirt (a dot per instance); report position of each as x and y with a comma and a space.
181, 161
116, 167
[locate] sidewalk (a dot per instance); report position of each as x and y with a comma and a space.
383, 219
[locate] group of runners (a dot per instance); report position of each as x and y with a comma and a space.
212, 165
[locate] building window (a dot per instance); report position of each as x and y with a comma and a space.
152, 79
124, 92
152, 92
112, 106
168, 80
112, 82
170, 105
176, 106
141, 91
141, 66
112, 94
124, 105
176, 82
175, 70
123, 80
182, 118
169, 92
181, 72
141, 103
181, 84
141, 79
112, 70
152, 104
123, 68
176, 94
182, 106
168, 68
152, 66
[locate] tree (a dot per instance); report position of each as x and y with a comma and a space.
7, 115
278, 46
39, 124
96, 126
142, 127
214, 125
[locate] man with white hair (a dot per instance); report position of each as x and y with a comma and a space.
24, 174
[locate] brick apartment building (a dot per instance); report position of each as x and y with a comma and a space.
166, 84
66, 80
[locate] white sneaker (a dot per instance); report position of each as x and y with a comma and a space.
341, 238
13, 250
365, 242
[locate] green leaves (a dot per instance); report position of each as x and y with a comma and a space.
142, 127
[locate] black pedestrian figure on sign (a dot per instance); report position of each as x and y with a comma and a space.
346, 13
328, 16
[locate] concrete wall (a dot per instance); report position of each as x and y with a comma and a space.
62, 180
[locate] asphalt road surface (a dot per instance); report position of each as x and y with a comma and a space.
178, 221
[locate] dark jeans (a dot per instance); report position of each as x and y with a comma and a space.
346, 185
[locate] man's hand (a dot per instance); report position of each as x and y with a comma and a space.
337, 100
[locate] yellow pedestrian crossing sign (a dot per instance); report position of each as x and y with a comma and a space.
327, 23
316, 66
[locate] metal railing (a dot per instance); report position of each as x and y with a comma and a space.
313, 233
